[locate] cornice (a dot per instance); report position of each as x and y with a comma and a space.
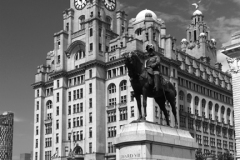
204, 82
38, 85
115, 62
76, 72
58, 74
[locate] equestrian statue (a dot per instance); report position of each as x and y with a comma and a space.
148, 82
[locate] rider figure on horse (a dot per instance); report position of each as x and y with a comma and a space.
152, 65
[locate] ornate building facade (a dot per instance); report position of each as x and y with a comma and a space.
231, 49
83, 94
6, 135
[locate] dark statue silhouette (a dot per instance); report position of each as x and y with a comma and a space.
143, 84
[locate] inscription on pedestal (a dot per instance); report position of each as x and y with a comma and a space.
130, 156
130, 152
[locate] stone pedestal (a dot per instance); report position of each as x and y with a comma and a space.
149, 141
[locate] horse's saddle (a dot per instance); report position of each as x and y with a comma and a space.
150, 77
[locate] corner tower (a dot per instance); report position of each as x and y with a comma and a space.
198, 43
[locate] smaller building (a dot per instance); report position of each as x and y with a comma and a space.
6, 135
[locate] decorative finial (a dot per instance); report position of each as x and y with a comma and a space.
197, 4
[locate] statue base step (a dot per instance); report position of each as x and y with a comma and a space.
150, 141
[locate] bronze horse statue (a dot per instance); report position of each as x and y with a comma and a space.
139, 79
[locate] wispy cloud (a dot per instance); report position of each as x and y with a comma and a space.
171, 17
236, 1
128, 8
222, 28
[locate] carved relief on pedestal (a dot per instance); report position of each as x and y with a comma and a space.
234, 65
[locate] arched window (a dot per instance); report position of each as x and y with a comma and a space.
228, 111
189, 98
78, 150
109, 22
112, 88
138, 31
49, 104
210, 105
123, 85
216, 107
82, 22
196, 99
203, 103
222, 109
181, 95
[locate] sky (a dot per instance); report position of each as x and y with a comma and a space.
26, 35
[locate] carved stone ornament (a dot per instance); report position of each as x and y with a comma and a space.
234, 65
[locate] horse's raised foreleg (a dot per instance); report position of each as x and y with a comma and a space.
138, 99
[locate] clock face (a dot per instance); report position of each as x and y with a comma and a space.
80, 4
110, 4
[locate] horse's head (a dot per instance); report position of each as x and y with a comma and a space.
133, 63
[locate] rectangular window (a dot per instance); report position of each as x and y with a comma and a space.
90, 88
36, 144
112, 132
37, 106
90, 147
57, 138
205, 140
38, 93
90, 117
57, 83
74, 95
81, 135
100, 32
90, 132
123, 114
69, 123
91, 47
69, 96
219, 143
81, 93
156, 112
81, 107
199, 139
57, 112
132, 111
37, 117
59, 58
132, 96
91, 32
100, 47
57, 124
69, 110
123, 99
212, 142
90, 73
57, 97
36, 130
36, 155
111, 116
190, 123
90, 102
182, 121
81, 121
